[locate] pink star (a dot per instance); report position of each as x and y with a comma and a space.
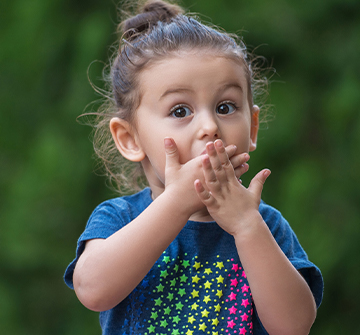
232, 296
244, 274
245, 302
244, 317
245, 288
231, 324
235, 267
242, 331
234, 282
233, 310
251, 325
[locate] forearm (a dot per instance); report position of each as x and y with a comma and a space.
282, 297
110, 269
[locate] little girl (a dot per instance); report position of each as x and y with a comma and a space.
196, 252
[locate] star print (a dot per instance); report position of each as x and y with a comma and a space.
179, 305
176, 319
164, 274
242, 331
207, 299
245, 302
208, 271
185, 264
151, 329
167, 310
220, 279
219, 293
176, 267
243, 274
163, 323
145, 283
232, 296
244, 317
197, 265
189, 332
166, 259
207, 284
205, 313
217, 308
231, 324
160, 288
220, 265
158, 302
202, 327
183, 279
195, 279
234, 282
170, 296
181, 292
175, 332
233, 310
191, 319
194, 306
215, 333
195, 293
154, 315
173, 282
215, 321
235, 267
245, 288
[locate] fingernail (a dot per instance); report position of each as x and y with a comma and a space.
167, 142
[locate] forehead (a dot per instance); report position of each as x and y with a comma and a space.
192, 70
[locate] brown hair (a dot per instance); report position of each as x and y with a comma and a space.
158, 30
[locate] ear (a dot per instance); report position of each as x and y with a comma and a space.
126, 140
255, 110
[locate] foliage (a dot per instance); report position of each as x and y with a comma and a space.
48, 188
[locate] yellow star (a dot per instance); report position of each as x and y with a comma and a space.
189, 332
195, 279
207, 299
220, 279
195, 293
215, 322
219, 265
215, 333
194, 306
207, 284
208, 271
191, 319
205, 313
219, 293
217, 308
202, 327
197, 265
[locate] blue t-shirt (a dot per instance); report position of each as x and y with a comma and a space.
198, 285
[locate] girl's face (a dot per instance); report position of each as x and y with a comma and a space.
193, 98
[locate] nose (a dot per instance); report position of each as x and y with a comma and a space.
208, 127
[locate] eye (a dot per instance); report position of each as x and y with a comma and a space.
226, 108
180, 111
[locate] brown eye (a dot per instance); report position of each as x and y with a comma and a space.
180, 112
225, 108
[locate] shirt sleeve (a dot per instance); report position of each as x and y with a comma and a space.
106, 219
289, 244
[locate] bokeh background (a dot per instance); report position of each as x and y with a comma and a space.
48, 187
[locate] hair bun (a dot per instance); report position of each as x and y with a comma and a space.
149, 15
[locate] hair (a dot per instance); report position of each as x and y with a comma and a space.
158, 30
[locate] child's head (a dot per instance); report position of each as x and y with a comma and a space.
160, 31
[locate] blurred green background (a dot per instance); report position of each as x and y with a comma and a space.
48, 187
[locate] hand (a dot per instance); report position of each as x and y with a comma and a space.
228, 202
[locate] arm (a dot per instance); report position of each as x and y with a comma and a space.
282, 297
109, 269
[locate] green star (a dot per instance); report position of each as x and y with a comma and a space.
185, 264
175, 332
158, 302
160, 288
183, 279
154, 315
164, 274
179, 305
176, 267
173, 282
163, 323
151, 329
166, 259
167, 310
170, 296
181, 292
176, 319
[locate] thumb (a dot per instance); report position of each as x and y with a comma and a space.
171, 152
257, 183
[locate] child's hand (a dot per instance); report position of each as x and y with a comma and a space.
228, 202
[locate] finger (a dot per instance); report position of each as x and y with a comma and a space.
171, 152
257, 183
211, 180
224, 159
239, 163
204, 195
242, 169
231, 150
